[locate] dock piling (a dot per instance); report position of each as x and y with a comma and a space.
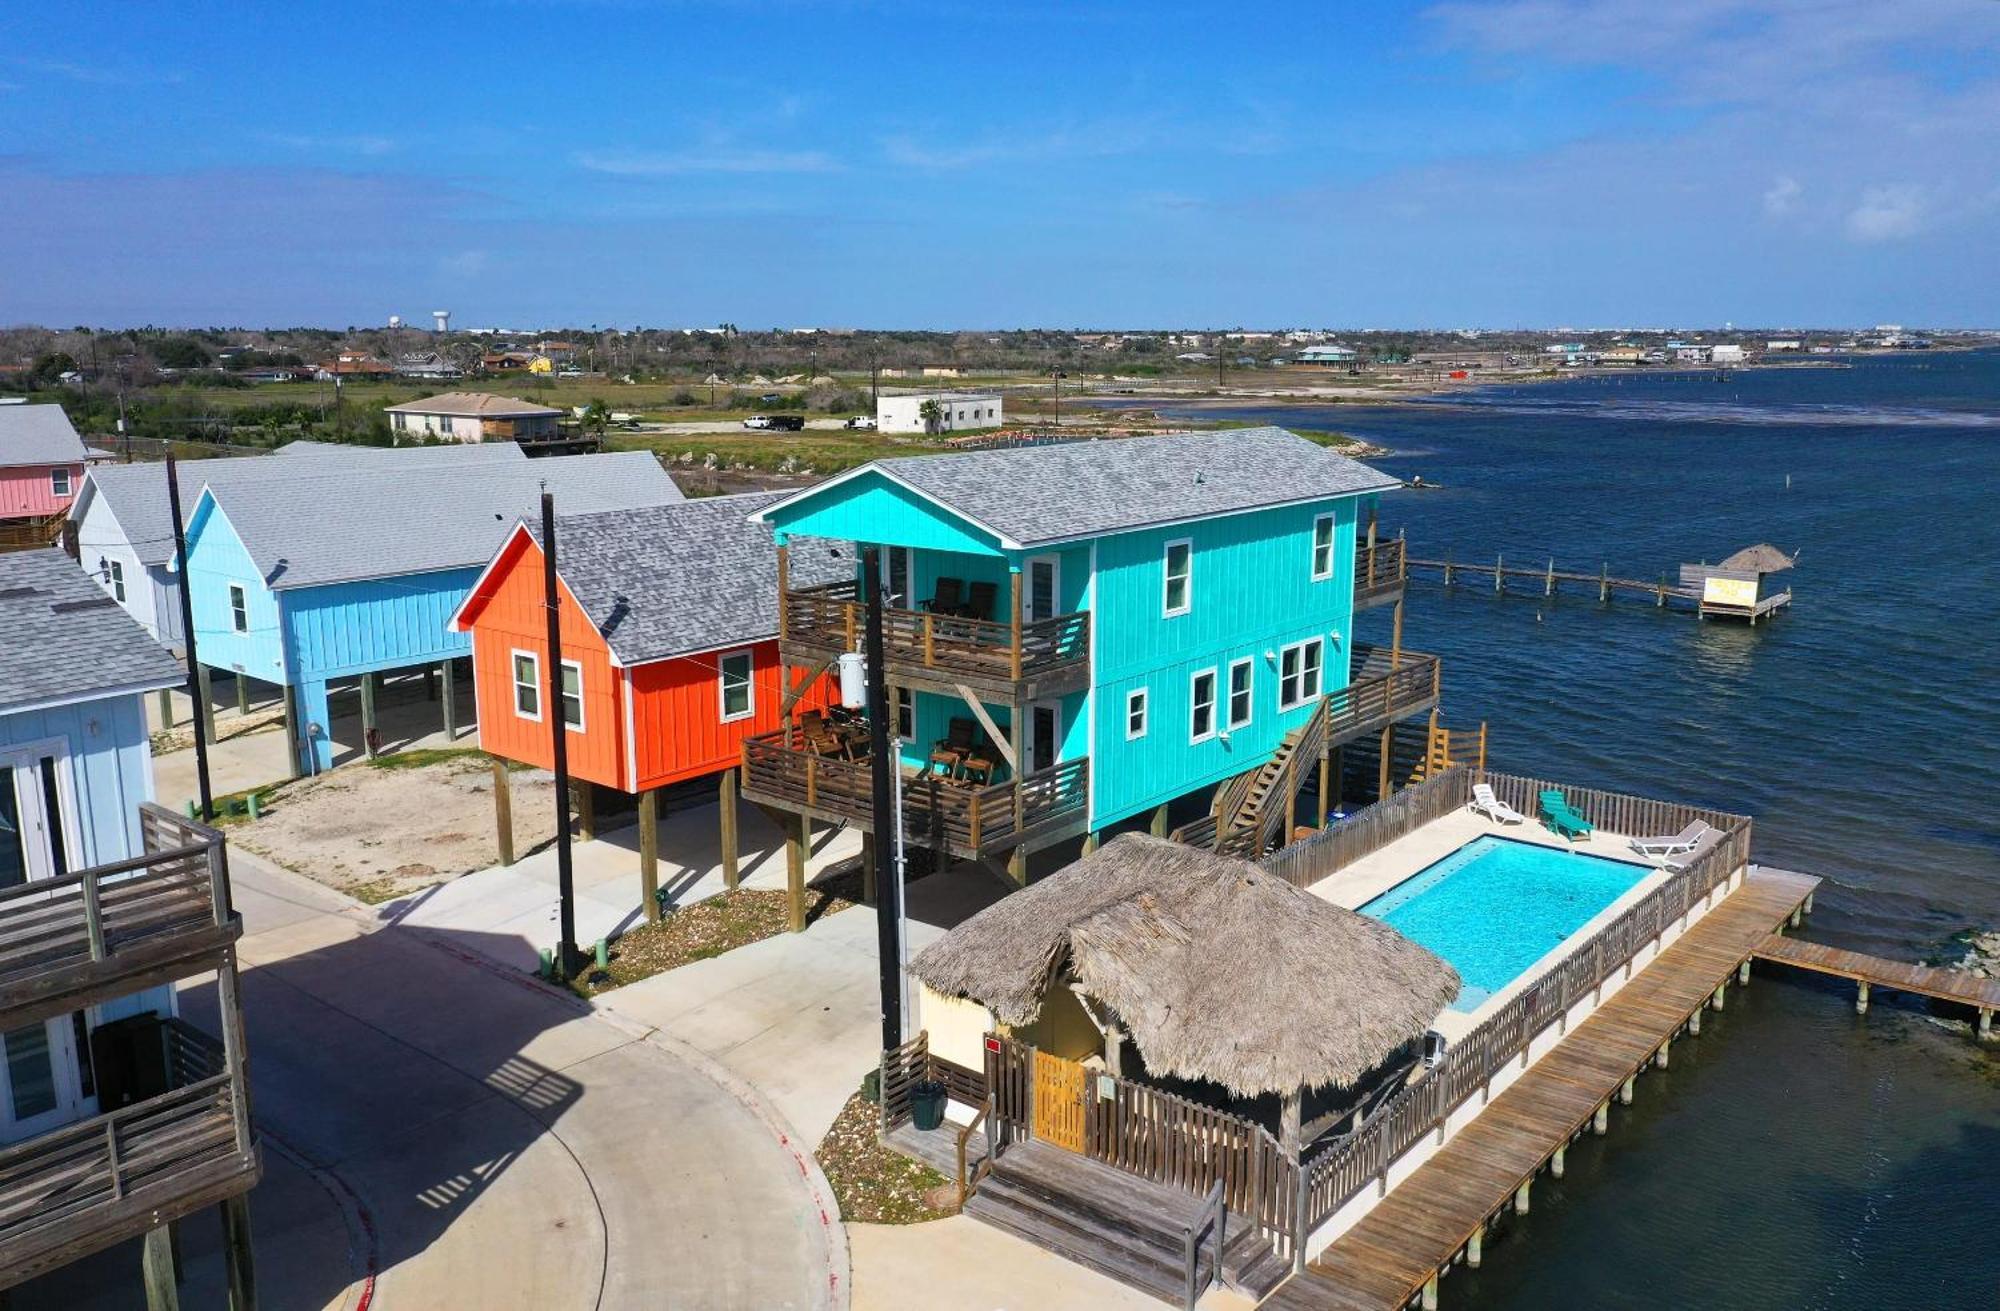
1743, 972
1604, 582
1694, 1023
1558, 1161
1664, 1057
1721, 996
1521, 1197
1861, 998
1626, 1089
1499, 574
1431, 1292
1985, 1024
1600, 1122
1549, 579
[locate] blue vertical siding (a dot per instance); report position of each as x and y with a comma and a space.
873, 508
110, 768
217, 558
376, 623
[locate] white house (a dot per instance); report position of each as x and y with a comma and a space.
1332, 354
1725, 354
471, 416
958, 411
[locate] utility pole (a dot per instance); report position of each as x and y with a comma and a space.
888, 887
566, 955
187, 641
1057, 376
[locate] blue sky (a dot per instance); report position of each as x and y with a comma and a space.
1518, 163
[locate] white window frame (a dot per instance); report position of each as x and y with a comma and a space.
534, 683
67, 487
1298, 695
749, 658
444, 425
114, 571
1137, 698
562, 696
1167, 608
905, 710
1323, 570
1317, 646
1194, 703
1249, 693
239, 608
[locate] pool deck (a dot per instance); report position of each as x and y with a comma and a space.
1391, 1254
1374, 874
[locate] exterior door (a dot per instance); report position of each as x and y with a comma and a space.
1060, 1087
1044, 736
1044, 588
897, 562
42, 1084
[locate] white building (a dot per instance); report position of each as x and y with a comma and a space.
1326, 355
957, 411
1725, 354
1784, 344
471, 416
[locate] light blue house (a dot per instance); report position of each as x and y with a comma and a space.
327, 581
1117, 628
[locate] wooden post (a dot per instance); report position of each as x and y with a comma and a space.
1985, 1024
1604, 582
449, 697
1720, 996
1499, 574
1158, 828
1430, 1299
1017, 866
503, 810
1475, 1245
1521, 1197
1861, 999
238, 1257
649, 854
1289, 1116
1396, 633
868, 889
1325, 767
726, 805
156, 1264
1549, 580
1694, 1022
1664, 1057
1600, 1121
205, 712
242, 695
1661, 600
368, 714
1339, 770
584, 794
292, 743
1558, 1163
1743, 972
797, 841
1090, 842
1626, 1089
166, 708
1388, 750
1014, 627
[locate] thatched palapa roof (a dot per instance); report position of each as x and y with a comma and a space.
1217, 969
1763, 558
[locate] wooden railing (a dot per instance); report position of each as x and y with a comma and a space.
1341, 1169
936, 811
1382, 687
1379, 572
34, 534
1371, 828
57, 935
832, 615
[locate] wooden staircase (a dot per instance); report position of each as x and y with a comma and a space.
1115, 1223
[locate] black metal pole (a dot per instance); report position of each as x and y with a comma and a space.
1056, 378
566, 952
187, 640
888, 892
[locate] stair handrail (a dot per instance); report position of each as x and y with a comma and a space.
1214, 1214
985, 1166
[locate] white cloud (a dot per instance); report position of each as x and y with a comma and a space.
709, 159
1782, 196
1887, 213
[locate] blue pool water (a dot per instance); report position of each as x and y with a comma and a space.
1496, 906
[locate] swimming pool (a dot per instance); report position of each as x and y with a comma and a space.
1496, 906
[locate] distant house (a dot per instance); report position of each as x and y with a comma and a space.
1784, 344
1328, 354
345, 575
505, 361
1622, 355
41, 462
941, 371
1726, 354
957, 411
354, 364
427, 364
125, 535
471, 416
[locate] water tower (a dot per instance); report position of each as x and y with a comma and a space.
395, 322
443, 319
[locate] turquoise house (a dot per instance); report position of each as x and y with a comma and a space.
327, 581
1121, 625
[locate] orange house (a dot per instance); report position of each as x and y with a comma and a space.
669, 636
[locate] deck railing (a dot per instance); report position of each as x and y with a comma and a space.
1371, 828
936, 811
1340, 1170
1380, 572
832, 615
60, 934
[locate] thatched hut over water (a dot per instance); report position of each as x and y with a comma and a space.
1215, 969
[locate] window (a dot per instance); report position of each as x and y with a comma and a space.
1239, 692
527, 685
444, 424
1135, 714
572, 695
400, 422
738, 691
116, 577
1299, 673
1180, 577
1201, 706
906, 715
239, 608
1322, 547
59, 482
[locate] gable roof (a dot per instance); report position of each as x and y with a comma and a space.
137, 493
38, 434
478, 404
667, 580
67, 640
1040, 495
373, 522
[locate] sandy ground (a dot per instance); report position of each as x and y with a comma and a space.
378, 833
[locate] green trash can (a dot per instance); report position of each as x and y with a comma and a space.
927, 1104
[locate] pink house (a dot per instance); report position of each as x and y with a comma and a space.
41, 462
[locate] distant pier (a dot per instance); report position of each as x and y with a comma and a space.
1738, 588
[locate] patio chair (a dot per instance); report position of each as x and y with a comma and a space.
1563, 819
978, 761
1702, 846
1484, 802
980, 604
946, 597
1683, 841
821, 738
951, 751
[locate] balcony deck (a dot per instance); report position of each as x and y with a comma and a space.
111, 930
1380, 572
1050, 658
88, 1185
966, 820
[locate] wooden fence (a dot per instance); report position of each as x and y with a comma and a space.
832, 614
1371, 828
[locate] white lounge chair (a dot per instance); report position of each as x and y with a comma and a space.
1682, 841
1484, 802
1702, 846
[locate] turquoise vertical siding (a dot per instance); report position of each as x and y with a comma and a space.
873, 508
217, 558
110, 768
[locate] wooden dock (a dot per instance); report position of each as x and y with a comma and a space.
1394, 1253
1550, 580
1982, 995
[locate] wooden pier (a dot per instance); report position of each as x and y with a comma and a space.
1395, 1252
1867, 972
1551, 580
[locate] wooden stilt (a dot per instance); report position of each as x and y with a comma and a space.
1521, 1197
1559, 1162
1325, 764
156, 1265
1017, 867
868, 889
298, 748
1626, 1089
649, 854
166, 708
1158, 828
1743, 972
584, 794
1664, 1057
726, 805
1861, 999
1721, 997
238, 1257
1600, 1121
1694, 1022
1430, 1301
798, 839
368, 714
1985, 1024
503, 810
1089, 842
449, 699
242, 694
205, 712
1387, 779
1474, 1247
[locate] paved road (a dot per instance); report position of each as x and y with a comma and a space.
505, 1146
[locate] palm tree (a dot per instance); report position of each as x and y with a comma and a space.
932, 414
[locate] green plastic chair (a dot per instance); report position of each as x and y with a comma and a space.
1561, 817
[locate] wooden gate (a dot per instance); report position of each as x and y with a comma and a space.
1059, 1093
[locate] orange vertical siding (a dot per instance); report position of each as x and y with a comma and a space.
677, 713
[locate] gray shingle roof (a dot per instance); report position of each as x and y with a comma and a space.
137, 493
1038, 495
478, 403
369, 523
667, 580
66, 639
38, 434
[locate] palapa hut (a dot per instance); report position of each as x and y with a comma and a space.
1212, 968
1741, 587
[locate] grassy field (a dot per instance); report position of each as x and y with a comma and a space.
820, 451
